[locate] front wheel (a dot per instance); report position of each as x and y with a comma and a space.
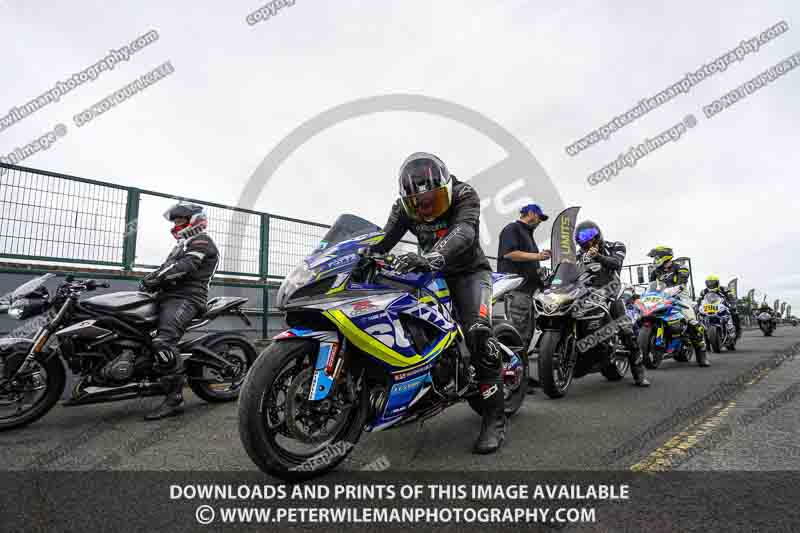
286, 435
32, 394
556, 368
713, 340
650, 354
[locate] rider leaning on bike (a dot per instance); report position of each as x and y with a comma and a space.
443, 213
673, 274
610, 255
712, 285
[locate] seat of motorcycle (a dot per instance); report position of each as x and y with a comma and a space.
220, 304
120, 301
132, 305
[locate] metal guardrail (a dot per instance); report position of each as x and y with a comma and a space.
68, 220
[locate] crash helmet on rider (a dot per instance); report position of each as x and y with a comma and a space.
588, 234
661, 255
712, 282
188, 219
426, 187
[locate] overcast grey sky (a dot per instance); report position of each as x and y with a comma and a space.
547, 71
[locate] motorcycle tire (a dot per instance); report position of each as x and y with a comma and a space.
253, 433
713, 340
611, 372
650, 358
205, 390
551, 340
510, 338
56, 380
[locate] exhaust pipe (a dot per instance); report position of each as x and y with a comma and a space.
99, 394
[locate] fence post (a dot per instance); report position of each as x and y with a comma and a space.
263, 273
131, 229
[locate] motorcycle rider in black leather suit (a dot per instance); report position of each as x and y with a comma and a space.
673, 274
443, 213
182, 284
712, 285
610, 255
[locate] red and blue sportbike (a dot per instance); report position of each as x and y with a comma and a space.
663, 326
367, 350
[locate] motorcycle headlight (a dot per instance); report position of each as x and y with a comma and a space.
297, 278
23, 308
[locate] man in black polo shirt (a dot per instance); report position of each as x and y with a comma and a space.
517, 253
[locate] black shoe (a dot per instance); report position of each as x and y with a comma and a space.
171, 406
494, 423
173, 401
639, 376
702, 358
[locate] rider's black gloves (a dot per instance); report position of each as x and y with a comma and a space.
150, 283
412, 262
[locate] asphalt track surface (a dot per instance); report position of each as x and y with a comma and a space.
599, 425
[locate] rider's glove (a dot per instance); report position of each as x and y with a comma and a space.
412, 262
149, 283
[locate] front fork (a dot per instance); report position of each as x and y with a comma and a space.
41, 338
330, 362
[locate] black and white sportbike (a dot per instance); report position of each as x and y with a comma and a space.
86, 334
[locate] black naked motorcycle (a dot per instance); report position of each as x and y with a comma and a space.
86, 334
579, 336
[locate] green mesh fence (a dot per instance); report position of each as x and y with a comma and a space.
55, 217
47, 216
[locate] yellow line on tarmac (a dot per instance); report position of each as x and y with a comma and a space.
678, 446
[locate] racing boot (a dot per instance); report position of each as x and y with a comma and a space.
494, 422
702, 356
173, 401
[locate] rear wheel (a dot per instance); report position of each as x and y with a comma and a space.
32, 394
616, 369
515, 382
211, 385
286, 435
555, 366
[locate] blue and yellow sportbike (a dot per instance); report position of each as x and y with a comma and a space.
718, 322
367, 349
664, 327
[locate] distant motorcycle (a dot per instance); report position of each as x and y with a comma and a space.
766, 322
86, 334
664, 329
718, 323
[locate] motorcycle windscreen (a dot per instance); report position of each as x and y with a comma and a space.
565, 275
345, 228
30, 286
562, 241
